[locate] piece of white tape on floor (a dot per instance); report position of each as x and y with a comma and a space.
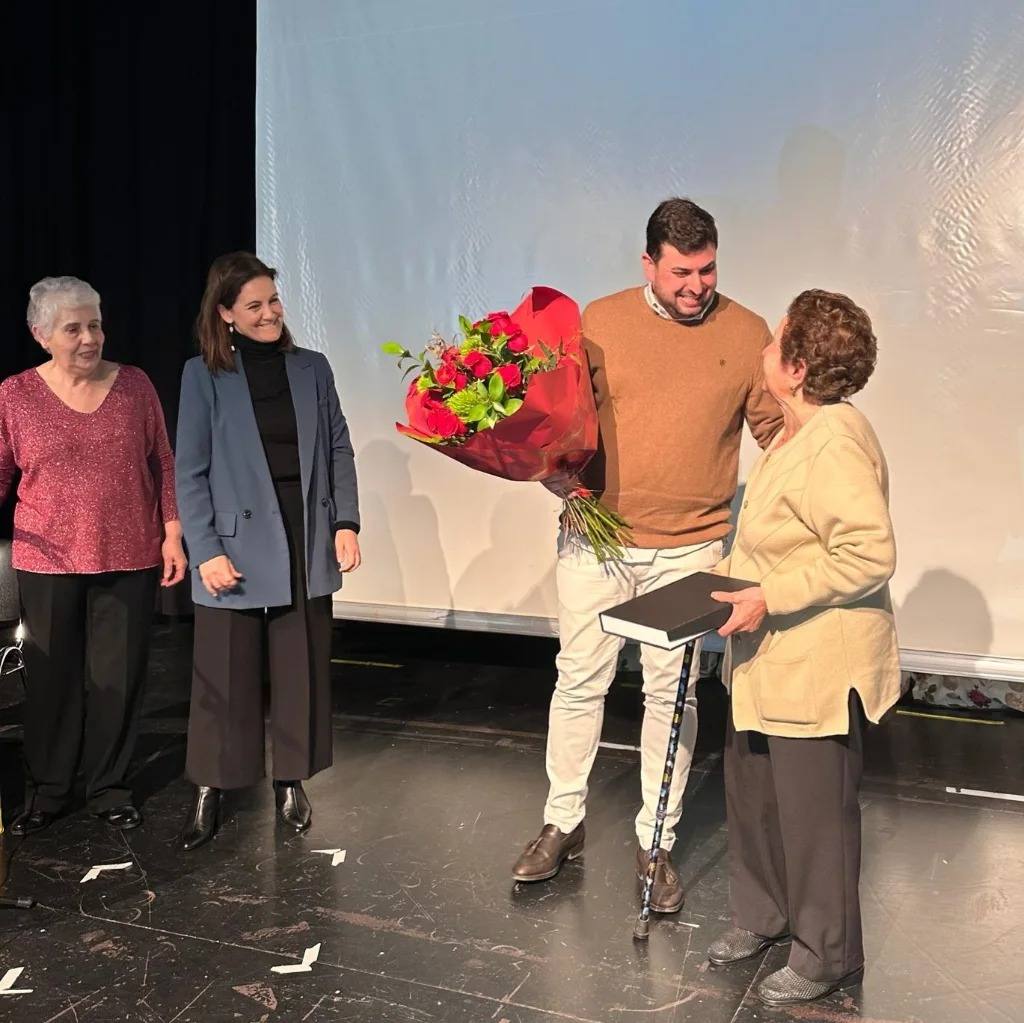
94, 872
309, 957
7, 983
985, 795
337, 855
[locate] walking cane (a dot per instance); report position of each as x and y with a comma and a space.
643, 922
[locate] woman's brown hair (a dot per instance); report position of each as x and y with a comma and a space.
833, 337
228, 275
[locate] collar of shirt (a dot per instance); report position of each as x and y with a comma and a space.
658, 308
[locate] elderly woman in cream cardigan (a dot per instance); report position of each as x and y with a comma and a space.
812, 654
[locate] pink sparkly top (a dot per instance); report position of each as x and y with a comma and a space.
96, 487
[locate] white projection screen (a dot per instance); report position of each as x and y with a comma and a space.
420, 160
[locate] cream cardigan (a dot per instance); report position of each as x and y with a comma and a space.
814, 532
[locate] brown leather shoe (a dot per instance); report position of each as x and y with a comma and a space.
544, 856
667, 895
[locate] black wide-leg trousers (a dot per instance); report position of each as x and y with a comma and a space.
226, 734
86, 645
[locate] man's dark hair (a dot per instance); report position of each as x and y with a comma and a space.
683, 224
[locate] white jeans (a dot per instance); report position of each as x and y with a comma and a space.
586, 667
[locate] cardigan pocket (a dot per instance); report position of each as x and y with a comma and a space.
225, 523
784, 690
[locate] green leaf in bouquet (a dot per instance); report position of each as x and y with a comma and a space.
495, 387
394, 348
465, 326
473, 343
476, 413
414, 368
425, 382
513, 405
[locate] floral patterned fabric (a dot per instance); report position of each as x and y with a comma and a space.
967, 693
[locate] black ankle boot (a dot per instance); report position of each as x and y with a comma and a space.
203, 818
30, 820
292, 805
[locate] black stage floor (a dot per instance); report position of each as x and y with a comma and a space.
438, 782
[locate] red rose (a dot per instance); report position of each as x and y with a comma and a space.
501, 323
448, 375
431, 396
518, 342
511, 375
419, 404
450, 354
478, 364
442, 422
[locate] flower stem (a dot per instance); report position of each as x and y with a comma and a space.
607, 533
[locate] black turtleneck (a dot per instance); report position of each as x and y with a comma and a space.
272, 402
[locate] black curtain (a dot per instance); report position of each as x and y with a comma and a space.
128, 159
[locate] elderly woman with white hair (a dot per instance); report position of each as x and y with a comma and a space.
96, 527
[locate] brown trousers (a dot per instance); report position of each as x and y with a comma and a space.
794, 843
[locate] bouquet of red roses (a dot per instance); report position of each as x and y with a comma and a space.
513, 398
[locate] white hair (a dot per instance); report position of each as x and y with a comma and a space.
47, 297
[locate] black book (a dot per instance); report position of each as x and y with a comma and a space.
674, 614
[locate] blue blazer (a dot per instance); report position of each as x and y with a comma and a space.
226, 497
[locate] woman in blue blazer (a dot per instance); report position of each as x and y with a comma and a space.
266, 485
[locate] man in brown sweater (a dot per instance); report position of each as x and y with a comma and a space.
677, 371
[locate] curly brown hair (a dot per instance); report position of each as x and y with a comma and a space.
833, 337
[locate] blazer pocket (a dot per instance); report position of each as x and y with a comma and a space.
785, 690
225, 523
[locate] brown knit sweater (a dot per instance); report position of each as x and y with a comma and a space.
671, 402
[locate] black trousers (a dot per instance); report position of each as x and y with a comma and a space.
233, 649
86, 643
794, 843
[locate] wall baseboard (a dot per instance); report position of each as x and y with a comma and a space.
940, 662
446, 618
932, 662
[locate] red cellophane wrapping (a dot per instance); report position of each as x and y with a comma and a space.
555, 431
